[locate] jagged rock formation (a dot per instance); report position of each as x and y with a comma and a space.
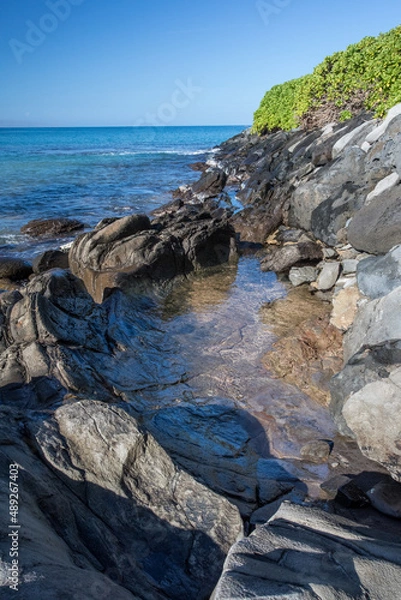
105, 511
133, 249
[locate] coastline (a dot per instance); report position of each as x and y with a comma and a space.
80, 358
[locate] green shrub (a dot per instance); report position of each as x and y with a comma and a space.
365, 75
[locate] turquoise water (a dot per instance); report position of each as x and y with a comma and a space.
92, 173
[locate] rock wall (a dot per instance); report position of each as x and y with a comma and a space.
326, 205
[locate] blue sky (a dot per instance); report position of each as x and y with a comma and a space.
129, 62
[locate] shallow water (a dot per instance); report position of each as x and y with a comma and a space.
213, 323
92, 173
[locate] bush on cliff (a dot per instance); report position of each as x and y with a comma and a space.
365, 76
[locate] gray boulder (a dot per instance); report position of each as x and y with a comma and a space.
377, 329
376, 228
378, 276
281, 259
305, 553
106, 513
373, 414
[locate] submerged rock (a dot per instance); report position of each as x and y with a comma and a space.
52, 227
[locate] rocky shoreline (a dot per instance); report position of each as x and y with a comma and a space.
135, 486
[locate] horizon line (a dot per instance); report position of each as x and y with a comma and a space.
115, 126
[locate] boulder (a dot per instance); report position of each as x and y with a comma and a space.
376, 329
14, 269
376, 227
307, 553
328, 276
215, 443
107, 511
281, 259
372, 414
383, 186
378, 276
52, 227
210, 185
51, 259
132, 250
385, 496
301, 275
55, 340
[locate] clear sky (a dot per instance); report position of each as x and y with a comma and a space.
175, 62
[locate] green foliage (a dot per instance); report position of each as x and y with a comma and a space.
369, 71
345, 115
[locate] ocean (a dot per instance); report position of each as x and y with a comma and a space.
92, 173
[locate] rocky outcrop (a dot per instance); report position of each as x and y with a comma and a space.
52, 227
51, 259
56, 340
14, 269
107, 511
134, 250
307, 553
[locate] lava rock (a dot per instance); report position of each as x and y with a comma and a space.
52, 227
14, 269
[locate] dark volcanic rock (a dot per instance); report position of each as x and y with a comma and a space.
281, 259
376, 228
51, 259
131, 250
14, 269
52, 227
210, 185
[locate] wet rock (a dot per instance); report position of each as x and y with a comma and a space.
328, 276
378, 276
253, 225
376, 227
306, 553
217, 444
52, 227
132, 250
14, 269
385, 496
300, 275
281, 259
210, 185
56, 340
317, 451
198, 166
51, 259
